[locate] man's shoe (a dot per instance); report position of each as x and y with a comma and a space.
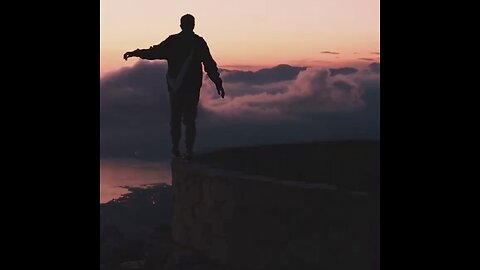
175, 153
188, 157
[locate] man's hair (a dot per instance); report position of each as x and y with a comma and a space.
187, 22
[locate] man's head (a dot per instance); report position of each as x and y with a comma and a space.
187, 22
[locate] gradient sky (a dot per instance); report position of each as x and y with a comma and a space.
247, 32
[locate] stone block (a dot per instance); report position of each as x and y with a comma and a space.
187, 216
226, 211
198, 237
218, 227
180, 234
221, 189
219, 249
207, 198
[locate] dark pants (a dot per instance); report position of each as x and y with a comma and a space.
183, 106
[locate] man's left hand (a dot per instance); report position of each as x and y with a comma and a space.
221, 91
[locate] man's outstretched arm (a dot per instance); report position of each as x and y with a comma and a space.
210, 67
159, 51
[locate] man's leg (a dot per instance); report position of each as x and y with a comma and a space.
175, 122
190, 114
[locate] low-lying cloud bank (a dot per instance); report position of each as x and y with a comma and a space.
275, 105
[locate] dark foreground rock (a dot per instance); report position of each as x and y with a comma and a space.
135, 233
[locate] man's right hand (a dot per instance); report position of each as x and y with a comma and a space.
129, 54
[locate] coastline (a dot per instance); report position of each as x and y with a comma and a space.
132, 223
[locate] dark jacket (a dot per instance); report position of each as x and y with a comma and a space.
175, 49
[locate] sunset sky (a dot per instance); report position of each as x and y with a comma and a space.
247, 33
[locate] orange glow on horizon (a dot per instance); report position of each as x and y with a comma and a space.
116, 173
246, 32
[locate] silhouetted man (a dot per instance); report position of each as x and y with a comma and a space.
184, 53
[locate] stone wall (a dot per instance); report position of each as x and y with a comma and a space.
257, 222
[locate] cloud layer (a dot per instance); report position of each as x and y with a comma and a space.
262, 76
343, 71
280, 104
